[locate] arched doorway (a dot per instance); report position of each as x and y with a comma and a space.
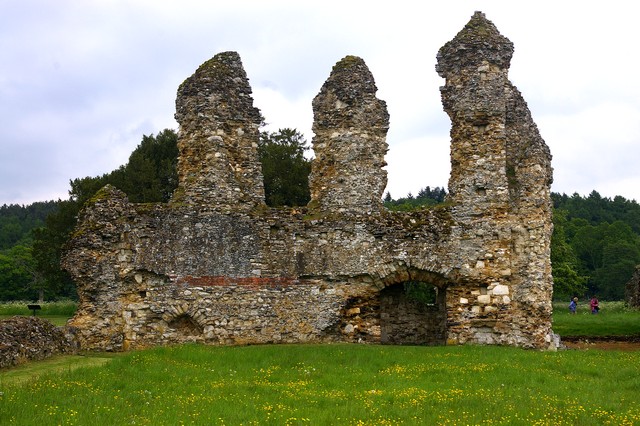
413, 313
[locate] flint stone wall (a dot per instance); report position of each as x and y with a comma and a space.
215, 265
632, 289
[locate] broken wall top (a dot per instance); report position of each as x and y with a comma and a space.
350, 126
218, 166
478, 43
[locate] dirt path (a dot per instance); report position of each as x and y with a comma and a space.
614, 343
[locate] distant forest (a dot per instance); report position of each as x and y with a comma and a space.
594, 249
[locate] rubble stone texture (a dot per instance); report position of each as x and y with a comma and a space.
219, 125
350, 126
217, 266
24, 339
632, 289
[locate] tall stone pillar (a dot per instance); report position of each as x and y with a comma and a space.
500, 190
218, 167
475, 65
350, 126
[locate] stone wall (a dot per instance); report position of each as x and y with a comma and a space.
219, 125
632, 289
350, 126
215, 265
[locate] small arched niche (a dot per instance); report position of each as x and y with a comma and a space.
185, 325
413, 313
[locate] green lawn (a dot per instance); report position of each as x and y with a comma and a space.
614, 319
54, 365
56, 312
335, 384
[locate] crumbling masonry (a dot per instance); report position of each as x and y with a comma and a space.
215, 265
632, 289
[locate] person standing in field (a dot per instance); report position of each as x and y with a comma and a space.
594, 305
573, 305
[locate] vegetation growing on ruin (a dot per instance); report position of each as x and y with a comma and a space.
335, 384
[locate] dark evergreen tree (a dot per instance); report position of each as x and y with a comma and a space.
426, 197
149, 176
567, 281
285, 168
17, 222
605, 236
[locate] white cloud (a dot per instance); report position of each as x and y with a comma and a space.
81, 82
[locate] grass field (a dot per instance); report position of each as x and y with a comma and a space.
614, 319
335, 384
56, 312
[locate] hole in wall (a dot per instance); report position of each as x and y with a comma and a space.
413, 313
185, 325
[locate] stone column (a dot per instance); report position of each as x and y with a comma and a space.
350, 126
218, 166
475, 65
500, 189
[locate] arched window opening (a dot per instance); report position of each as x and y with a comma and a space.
413, 313
185, 325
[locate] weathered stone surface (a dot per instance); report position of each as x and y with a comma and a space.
217, 266
25, 339
632, 289
350, 126
500, 172
218, 165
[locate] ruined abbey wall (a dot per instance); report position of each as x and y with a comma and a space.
216, 265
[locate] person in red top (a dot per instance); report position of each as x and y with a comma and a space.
594, 305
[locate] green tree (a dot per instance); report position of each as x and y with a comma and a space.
284, 167
149, 176
619, 259
564, 262
17, 222
608, 254
426, 197
19, 279
48, 244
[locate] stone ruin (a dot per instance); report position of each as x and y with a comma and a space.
216, 265
632, 289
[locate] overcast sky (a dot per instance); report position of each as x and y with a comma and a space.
82, 81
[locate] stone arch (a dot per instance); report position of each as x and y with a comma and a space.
386, 313
413, 313
413, 308
185, 321
185, 325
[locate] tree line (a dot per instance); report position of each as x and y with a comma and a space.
595, 245
594, 248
